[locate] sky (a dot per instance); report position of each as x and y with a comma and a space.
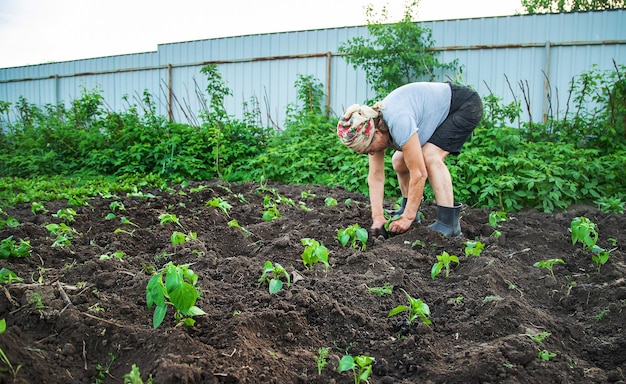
44, 31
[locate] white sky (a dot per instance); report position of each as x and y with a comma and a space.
42, 31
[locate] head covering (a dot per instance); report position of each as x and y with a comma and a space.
356, 126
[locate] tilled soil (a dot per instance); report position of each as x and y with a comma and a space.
78, 317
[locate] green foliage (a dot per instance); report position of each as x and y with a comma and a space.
386, 289
8, 248
3, 357
134, 377
416, 309
549, 265
353, 235
360, 365
7, 276
173, 285
584, 231
473, 248
395, 53
559, 6
314, 252
272, 275
443, 261
321, 359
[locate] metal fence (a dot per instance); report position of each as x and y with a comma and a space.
528, 57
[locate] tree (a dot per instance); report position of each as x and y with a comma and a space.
395, 53
558, 6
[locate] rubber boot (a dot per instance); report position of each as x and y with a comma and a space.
400, 211
448, 220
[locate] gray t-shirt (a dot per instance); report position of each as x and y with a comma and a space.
415, 107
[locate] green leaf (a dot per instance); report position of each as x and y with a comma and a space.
159, 315
275, 285
346, 364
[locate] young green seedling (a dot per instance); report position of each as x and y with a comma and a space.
277, 272
417, 309
134, 376
353, 235
540, 337
271, 210
9, 249
600, 256
321, 359
330, 201
221, 204
66, 214
174, 285
549, 265
235, 223
546, 355
443, 261
584, 231
495, 218
169, 218
314, 252
361, 366
386, 289
7, 276
179, 237
473, 248
36, 208
117, 205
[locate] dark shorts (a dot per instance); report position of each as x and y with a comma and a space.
466, 110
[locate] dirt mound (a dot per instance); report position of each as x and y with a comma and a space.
78, 317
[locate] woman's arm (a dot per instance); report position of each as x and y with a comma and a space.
376, 183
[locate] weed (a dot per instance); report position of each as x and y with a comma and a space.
600, 315
386, 289
540, 337
103, 370
321, 359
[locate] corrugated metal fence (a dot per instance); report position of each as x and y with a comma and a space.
531, 57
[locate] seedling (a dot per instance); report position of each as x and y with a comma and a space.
179, 237
321, 359
443, 261
353, 235
117, 205
3, 357
497, 217
584, 231
169, 218
36, 208
271, 210
473, 248
540, 337
235, 223
546, 355
63, 232
600, 256
10, 222
361, 366
108, 256
417, 309
7, 276
314, 252
124, 220
103, 371
386, 289
610, 205
134, 377
66, 214
549, 265
8, 248
174, 285
221, 204
277, 272
330, 201
307, 194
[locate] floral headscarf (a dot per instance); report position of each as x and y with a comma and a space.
356, 126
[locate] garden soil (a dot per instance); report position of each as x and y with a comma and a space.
78, 317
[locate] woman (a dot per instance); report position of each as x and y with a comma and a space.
423, 122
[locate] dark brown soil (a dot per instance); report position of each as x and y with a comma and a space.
93, 324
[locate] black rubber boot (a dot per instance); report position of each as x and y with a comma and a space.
400, 211
448, 220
